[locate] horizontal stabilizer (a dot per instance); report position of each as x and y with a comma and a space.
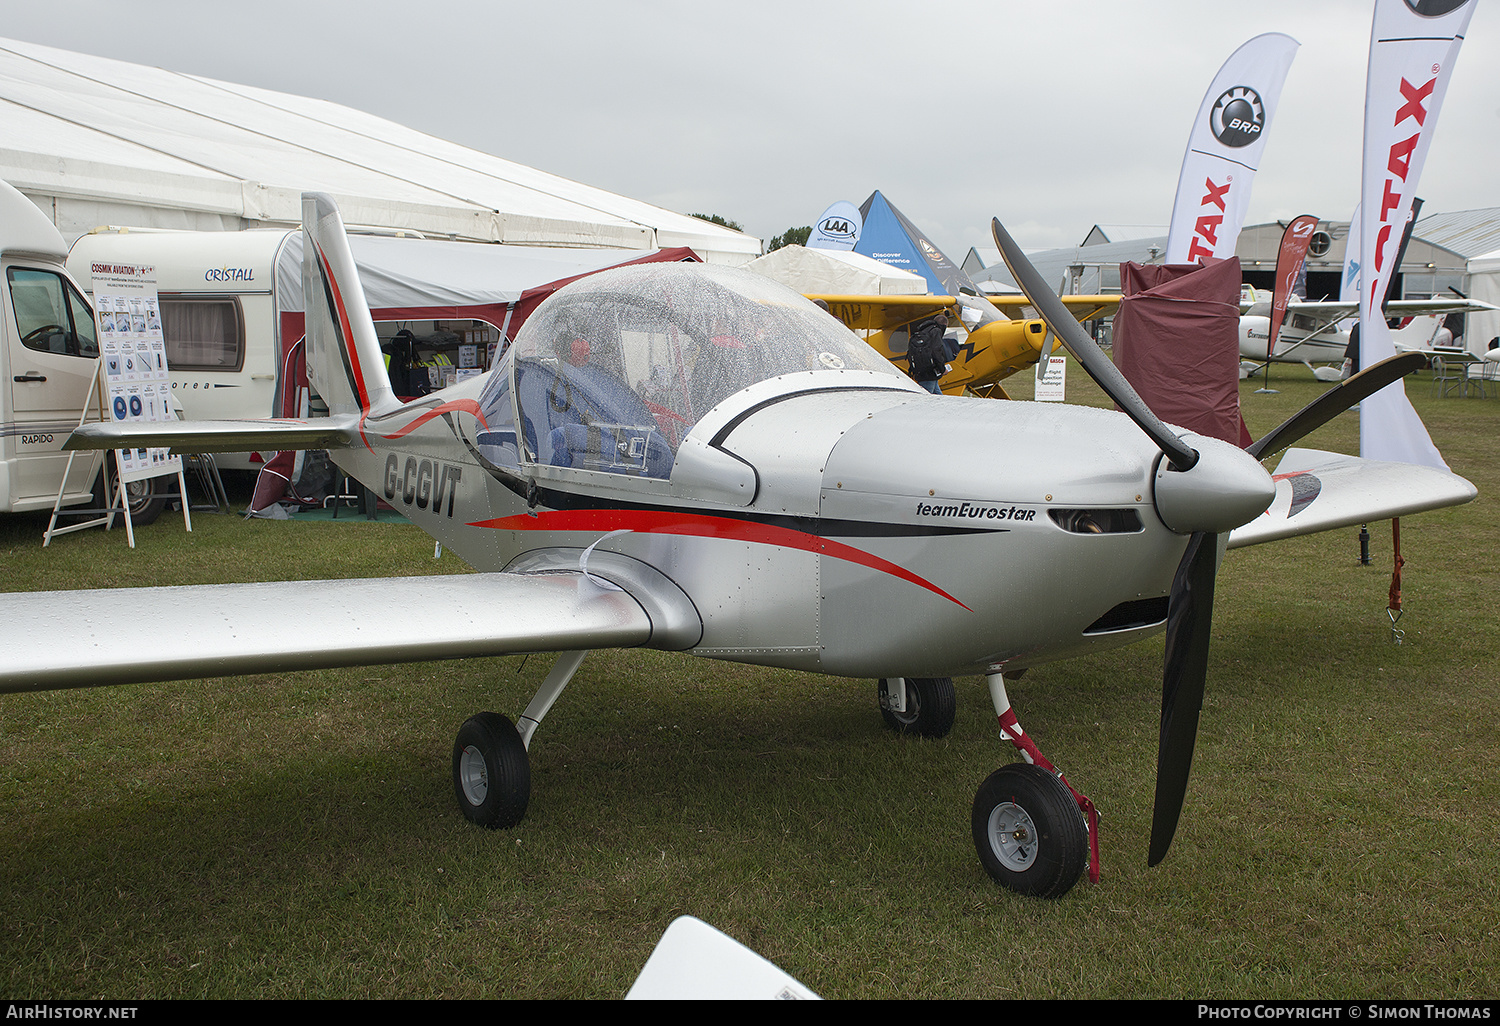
190, 436
133, 635
1319, 491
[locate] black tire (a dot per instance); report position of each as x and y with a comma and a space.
930, 705
1029, 832
491, 775
145, 504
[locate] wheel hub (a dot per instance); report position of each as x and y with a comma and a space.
1012, 836
473, 775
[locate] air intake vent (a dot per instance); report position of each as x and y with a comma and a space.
1131, 615
1096, 521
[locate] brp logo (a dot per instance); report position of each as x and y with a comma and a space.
1434, 8
1237, 117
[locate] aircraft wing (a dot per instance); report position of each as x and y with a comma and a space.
884, 313
1319, 491
1083, 308
1417, 307
1332, 310
133, 635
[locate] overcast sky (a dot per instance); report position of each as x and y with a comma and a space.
1053, 116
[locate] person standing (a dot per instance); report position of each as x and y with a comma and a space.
927, 353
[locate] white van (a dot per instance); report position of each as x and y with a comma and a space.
50, 357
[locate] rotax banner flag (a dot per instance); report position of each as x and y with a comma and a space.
1413, 46
1224, 148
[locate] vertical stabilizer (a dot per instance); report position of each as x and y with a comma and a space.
344, 362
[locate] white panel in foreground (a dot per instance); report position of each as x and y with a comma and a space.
695, 962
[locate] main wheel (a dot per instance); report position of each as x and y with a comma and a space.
930, 704
1029, 832
491, 775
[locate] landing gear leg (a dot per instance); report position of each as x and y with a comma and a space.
562, 671
1032, 831
491, 773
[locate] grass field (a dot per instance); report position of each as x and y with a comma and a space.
296, 835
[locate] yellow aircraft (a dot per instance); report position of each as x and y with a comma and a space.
992, 351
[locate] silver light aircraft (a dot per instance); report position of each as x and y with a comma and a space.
694, 458
1311, 334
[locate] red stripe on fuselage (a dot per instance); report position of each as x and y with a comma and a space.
466, 405
698, 525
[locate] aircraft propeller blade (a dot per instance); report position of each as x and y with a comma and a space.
1227, 489
1335, 401
1087, 352
1184, 671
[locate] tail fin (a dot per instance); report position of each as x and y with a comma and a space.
344, 362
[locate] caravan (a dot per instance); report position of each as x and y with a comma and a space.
217, 307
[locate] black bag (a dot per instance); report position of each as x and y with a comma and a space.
925, 354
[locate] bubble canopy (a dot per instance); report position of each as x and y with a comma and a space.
614, 370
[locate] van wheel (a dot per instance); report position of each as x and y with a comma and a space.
145, 506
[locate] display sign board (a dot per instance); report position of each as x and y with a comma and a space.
133, 360
1051, 383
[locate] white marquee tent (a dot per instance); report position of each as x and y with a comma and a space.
1484, 284
836, 272
93, 140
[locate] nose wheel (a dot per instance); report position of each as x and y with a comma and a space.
1028, 831
1034, 833
1013, 836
